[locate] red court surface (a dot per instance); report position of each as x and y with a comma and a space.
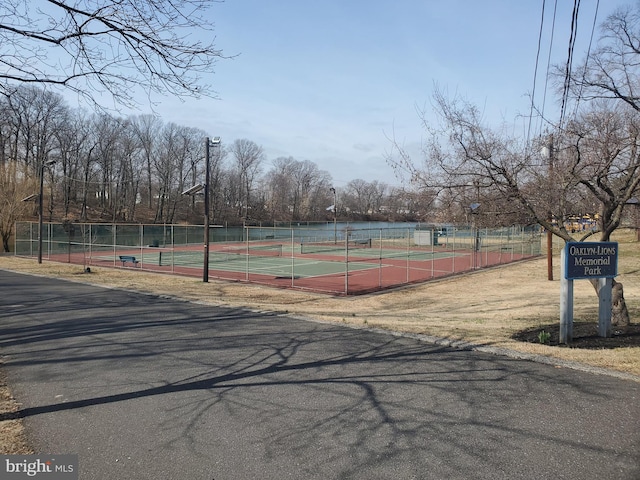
333, 273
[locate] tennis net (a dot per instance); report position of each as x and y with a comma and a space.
328, 246
226, 254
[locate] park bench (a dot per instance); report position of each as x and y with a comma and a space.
128, 258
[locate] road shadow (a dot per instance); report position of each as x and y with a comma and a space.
310, 394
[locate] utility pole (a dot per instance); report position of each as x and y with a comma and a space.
335, 215
549, 233
205, 266
207, 181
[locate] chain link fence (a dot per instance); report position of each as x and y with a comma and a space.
332, 258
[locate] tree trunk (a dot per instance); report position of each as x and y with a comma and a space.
619, 311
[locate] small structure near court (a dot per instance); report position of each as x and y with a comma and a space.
426, 236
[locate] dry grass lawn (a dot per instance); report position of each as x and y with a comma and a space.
486, 307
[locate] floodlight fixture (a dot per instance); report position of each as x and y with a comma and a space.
215, 141
30, 197
193, 190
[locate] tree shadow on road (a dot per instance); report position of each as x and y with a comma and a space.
310, 394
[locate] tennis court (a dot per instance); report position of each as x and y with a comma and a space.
267, 260
353, 261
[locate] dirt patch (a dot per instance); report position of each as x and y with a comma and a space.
585, 336
12, 437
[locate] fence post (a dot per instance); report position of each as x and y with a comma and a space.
433, 258
453, 251
346, 263
173, 246
246, 229
380, 261
49, 239
408, 255
293, 256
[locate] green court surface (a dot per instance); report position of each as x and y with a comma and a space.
277, 266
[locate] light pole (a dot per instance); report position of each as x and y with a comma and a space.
205, 266
335, 216
195, 189
48, 163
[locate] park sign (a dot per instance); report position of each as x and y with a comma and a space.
587, 260
591, 260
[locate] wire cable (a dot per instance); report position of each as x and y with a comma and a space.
572, 43
535, 74
586, 62
546, 82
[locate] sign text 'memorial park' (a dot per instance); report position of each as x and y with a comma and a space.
588, 260
591, 260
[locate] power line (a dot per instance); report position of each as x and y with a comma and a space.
546, 81
535, 73
567, 75
540, 116
586, 62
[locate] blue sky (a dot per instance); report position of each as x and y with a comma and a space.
329, 81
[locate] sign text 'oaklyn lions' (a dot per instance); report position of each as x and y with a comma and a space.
591, 260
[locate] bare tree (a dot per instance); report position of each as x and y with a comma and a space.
365, 198
129, 175
34, 115
319, 197
279, 185
297, 190
109, 153
30, 119
72, 137
181, 149
603, 147
95, 46
595, 158
15, 185
147, 128
248, 159
611, 71
310, 187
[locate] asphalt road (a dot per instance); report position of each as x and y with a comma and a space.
142, 387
